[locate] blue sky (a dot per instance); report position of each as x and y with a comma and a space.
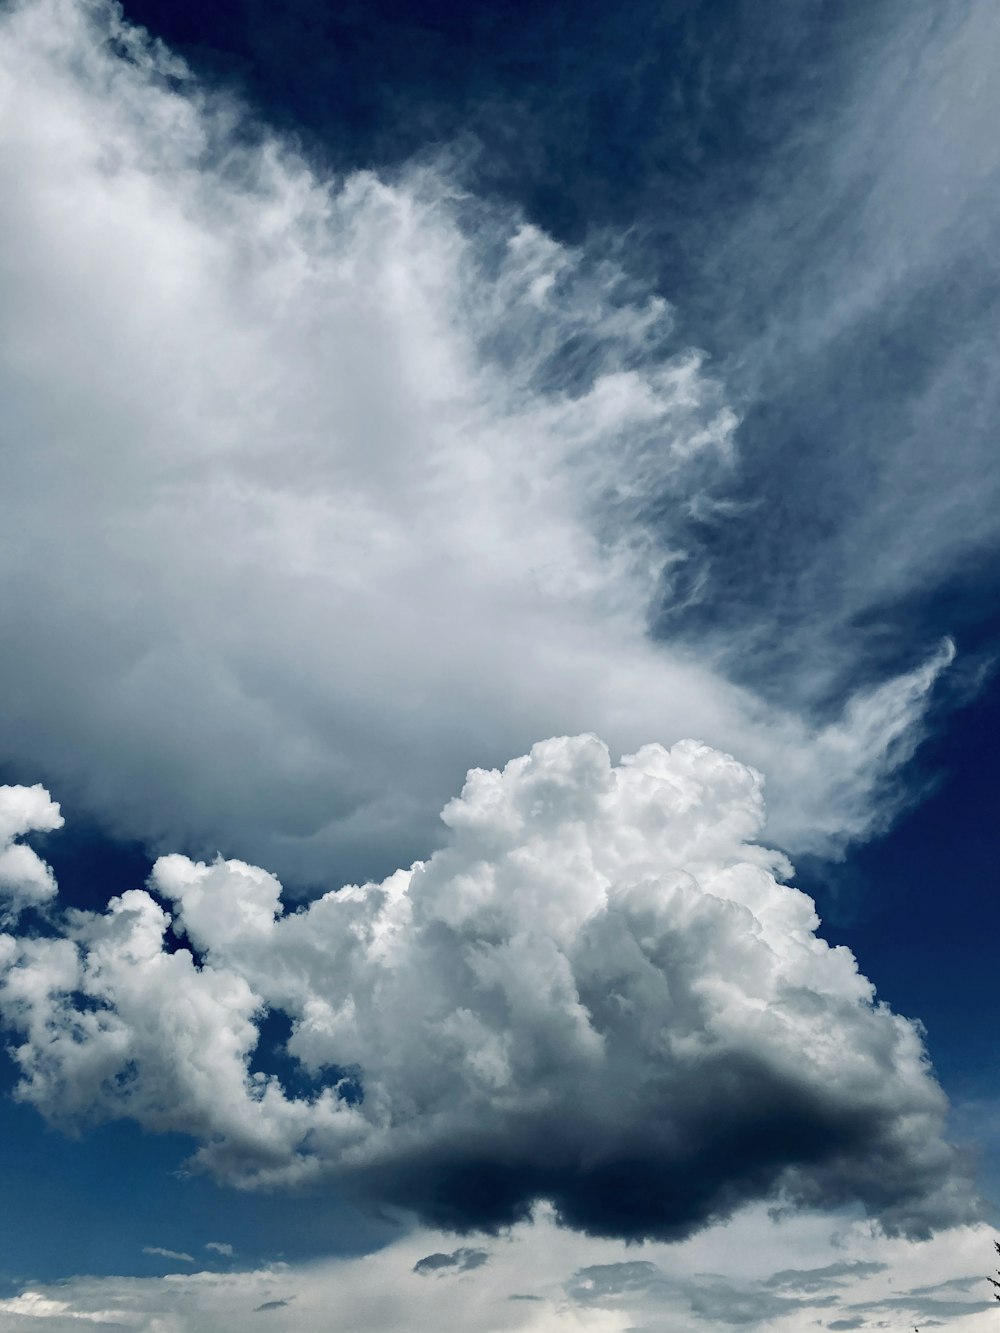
387, 389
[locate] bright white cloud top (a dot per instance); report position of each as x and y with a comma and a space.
322, 492
25, 879
598, 992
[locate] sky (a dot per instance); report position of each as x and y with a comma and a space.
497, 768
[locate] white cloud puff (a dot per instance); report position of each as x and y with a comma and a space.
25, 879
598, 992
320, 492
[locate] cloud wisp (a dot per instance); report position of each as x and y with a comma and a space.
159, 1252
858, 342
598, 992
323, 491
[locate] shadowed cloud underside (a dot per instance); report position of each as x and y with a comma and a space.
598, 993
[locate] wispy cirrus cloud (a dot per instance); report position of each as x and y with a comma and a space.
322, 490
862, 306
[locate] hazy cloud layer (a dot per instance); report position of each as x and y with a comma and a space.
596, 993
541, 1279
858, 341
319, 492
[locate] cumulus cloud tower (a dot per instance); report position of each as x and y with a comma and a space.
598, 992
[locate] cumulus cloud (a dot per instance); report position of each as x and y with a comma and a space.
322, 491
25, 879
598, 992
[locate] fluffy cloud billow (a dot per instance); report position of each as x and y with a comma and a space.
598, 992
321, 491
25, 879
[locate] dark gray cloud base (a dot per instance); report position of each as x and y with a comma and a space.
687, 1157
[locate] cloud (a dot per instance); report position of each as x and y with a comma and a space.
51, 1310
716, 1300
179, 1255
462, 1261
595, 1283
599, 992
534, 1282
858, 345
219, 1247
322, 491
25, 879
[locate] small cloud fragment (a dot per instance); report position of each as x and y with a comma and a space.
178, 1255
460, 1261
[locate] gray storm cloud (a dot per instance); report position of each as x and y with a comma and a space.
598, 992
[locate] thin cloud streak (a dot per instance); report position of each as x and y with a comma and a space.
858, 347
540, 1279
159, 1252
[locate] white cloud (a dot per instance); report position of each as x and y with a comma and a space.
220, 1247
756, 1272
598, 992
320, 492
158, 1250
25, 879
36, 1305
